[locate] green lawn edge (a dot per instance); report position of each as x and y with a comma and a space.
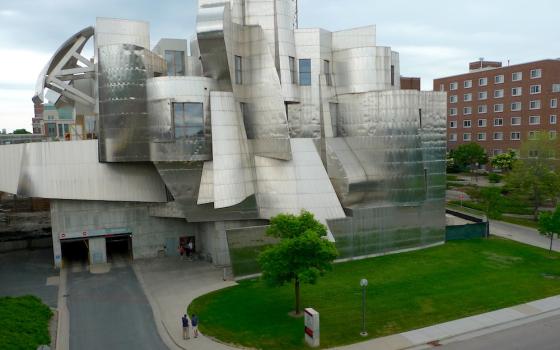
24, 323
407, 291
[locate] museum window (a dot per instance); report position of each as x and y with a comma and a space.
293, 71
327, 71
188, 119
305, 72
175, 63
238, 70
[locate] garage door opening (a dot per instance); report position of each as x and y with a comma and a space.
75, 251
119, 247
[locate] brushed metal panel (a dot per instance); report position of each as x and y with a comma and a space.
71, 170
11, 157
111, 31
123, 110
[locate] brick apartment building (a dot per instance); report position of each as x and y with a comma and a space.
500, 107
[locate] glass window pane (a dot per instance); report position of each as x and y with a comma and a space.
60, 133
189, 119
179, 63
305, 72
170, 59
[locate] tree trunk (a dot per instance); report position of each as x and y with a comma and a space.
551, 236
297, 295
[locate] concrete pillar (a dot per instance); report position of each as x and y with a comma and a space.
97, 250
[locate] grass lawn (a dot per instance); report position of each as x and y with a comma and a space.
24, 323
406, 291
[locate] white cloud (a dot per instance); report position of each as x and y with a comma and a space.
17, 109
8, 13
21, 66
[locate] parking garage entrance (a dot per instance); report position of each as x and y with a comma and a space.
75, 251
119, 247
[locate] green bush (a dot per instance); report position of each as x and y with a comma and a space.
494, 178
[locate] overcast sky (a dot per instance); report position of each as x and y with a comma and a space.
434, 37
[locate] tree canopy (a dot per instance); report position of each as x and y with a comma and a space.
504, 161
302, 255
549, 224
20, 132
468, 155
535, 173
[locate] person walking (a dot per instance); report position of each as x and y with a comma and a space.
194, 322
185, 321
190, 249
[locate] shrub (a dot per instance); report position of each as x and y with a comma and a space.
494, 178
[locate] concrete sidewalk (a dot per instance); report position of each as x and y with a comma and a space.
171, 285
522, 234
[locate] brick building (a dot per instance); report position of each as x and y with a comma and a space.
500, 107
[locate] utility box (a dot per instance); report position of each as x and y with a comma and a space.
311, 327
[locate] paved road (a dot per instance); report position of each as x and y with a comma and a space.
109, 311
522, 234
29, 272
542, 335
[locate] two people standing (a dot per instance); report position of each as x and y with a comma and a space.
194, 323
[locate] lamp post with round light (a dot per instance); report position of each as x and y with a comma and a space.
364, 284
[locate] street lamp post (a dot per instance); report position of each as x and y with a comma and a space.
364, 284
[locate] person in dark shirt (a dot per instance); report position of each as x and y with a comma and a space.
185, 321
194, 321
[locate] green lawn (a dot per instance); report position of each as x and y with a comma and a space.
24, 323
406, 291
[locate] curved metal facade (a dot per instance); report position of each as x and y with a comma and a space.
269, 118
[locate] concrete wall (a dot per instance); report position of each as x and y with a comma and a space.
150, 235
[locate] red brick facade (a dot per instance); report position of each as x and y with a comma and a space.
511, 111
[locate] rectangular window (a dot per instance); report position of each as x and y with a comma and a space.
498, 136
293, 70
553, 103
467, 97
327, 72
482, 109
499, 107
499, 79
515, 121
552, 119
482, 123
516, 136
467, 110
466, 123
535, 89
238, 70
453, 99
188, 120
481, 136
51, 129
516, 91
555, 87
482, 95
60, 131
452, 111
467, 84
453, 124
532, 135
305, 72
536, 73
534, 120
517, 76
453, 86
535, 104
516, 106
453, 137
175, 63
499, 93
467, 136
482, 81
392, 75
498, 121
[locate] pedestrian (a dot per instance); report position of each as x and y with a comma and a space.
194, 322
189, 249
182, 251
185, 320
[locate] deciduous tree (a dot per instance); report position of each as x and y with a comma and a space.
549, 224
302, 255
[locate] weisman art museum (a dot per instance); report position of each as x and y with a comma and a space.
206, 139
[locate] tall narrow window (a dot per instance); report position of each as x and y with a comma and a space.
305, 72
238, 70
392, 75
175, 63
188, 120
293, 71
327, 71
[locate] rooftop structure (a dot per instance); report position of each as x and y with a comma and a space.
258, 118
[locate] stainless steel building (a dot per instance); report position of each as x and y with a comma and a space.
206, 139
